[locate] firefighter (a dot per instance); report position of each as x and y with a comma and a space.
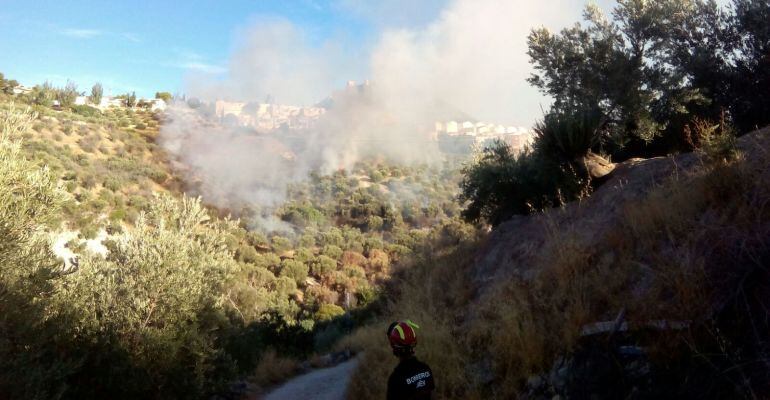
411, 379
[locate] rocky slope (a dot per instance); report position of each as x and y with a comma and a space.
511, 249
654, 287
653, 261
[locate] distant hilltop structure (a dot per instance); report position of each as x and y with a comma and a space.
464, 136
266, 116
460, 136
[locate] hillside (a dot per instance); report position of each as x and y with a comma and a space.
655, 285
107, 161
108, 254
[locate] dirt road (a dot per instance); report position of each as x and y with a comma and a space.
323, 384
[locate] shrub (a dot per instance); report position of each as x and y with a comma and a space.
323, 266
320, 294
82, 160
353, 258
256, 239
374, 223
273, 369
280, 244
501, 184
332, 251
86, 111
29, 199
295, 270
118, 214
156, 174
379, 260
327, 312
304, 255
112, 184
172, 336
88, 181
568, 136
138, 202
88, 143
717, 142
246, 254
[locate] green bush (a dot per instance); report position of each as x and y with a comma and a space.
295, 270
568, 136
118, 214
717, 141
247, 254
138, 202
332, 251
29, 198
171, 339
112, 184
327, 312
156, 174
323, 266
280, 244
501, 184
304, 255
86, 111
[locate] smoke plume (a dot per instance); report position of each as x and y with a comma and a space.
468, 63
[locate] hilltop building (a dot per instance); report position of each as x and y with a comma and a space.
464, 136
266, 116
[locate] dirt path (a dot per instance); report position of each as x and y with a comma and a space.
323, 384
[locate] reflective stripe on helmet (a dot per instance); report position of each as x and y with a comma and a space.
412, 324
403, 333
400, 332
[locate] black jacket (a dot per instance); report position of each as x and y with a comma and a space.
411, 380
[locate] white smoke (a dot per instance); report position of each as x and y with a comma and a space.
469, 62
273, 57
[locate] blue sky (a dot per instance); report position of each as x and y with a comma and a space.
150, 46
471, 53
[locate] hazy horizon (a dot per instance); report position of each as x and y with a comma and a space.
298, 52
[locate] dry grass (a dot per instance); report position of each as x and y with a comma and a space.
526, 324
273, 369
428, 293
682, 252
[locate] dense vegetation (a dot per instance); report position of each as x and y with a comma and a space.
185, 300
644, 82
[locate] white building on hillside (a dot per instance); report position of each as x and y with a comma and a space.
267, 116
21, 90
461, 137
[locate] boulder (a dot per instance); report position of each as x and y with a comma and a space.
596, 166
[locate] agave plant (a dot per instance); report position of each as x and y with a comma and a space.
568, 136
